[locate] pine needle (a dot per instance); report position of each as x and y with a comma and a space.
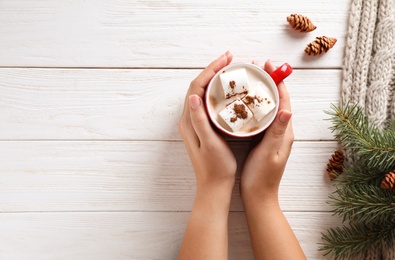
356, 133
356, 239
368, 209
363, 203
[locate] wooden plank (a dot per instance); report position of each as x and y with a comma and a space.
137, 176
136, 104
123, 33
131, 235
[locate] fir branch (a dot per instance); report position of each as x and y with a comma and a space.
356, 239
359, 173
363, 203
355, 132
358, 198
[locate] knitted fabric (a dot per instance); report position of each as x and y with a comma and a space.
369, 70
369, 62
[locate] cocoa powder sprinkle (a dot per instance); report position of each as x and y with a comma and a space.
229, 95
232, 84
240, 111
249, 100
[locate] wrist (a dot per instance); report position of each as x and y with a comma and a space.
214, 197
259, 209
264, 199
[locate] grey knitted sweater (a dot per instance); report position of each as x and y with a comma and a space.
369, 69
369, 62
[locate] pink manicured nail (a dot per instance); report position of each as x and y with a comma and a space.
221, 57
194, 101
224, 55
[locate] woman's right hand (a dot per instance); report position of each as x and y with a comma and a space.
270, 233
266, 162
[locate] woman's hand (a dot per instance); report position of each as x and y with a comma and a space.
266, 162
212, 159
271, 235
206, 236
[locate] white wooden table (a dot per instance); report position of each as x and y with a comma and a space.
91, 163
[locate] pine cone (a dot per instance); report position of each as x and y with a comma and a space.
335, 165
389, 181
320, 45
301, 23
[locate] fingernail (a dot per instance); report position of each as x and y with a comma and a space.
194, 101
285, 116
221, 57
224, 55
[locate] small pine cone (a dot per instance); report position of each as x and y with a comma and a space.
335, 165
301, 23
320, 45
389, 181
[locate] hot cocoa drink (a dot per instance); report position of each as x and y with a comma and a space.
242, 99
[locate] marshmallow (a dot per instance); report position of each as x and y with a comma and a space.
259, 101
234, 82
236, 115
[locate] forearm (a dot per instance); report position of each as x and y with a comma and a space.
206, 236
270, 232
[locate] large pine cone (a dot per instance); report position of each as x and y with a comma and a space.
301, 23
320, 45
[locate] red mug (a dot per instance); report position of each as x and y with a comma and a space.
215, 100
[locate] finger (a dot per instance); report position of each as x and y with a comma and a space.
274, 136
288, 140
285, 102
199, 119
197, 87
187, 131
199, 84
201, 81
255, 63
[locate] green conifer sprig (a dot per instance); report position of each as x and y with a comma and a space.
367, 210
360, 173
355, 240
364, 203
355, 132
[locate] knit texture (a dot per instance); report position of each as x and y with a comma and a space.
369, 62
369, 69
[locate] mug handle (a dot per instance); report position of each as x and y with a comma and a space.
281, 73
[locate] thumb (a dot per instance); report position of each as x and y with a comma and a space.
199, 118
274, 135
